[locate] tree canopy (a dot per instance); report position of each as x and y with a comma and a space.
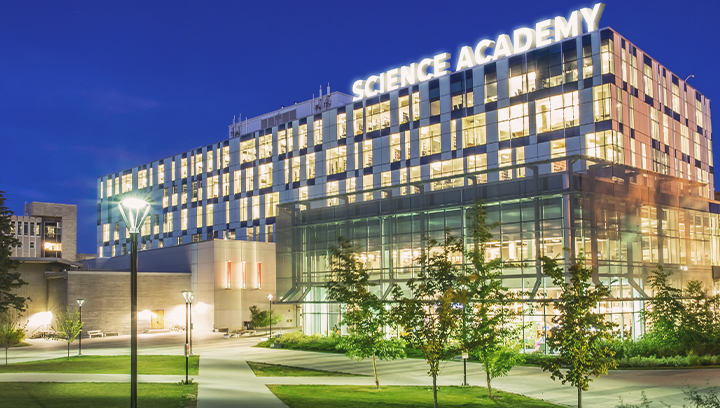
10, 279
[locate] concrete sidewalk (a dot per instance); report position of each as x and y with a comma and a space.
68, 377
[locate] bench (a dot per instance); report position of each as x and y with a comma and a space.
107, 334
97, 333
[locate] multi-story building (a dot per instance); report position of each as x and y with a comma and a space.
586, 143
46, 230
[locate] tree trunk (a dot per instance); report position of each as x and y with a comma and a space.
435, 389
487, 379
68, 350
6, 356
579, 397
377, 380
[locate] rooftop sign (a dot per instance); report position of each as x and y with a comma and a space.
523, 39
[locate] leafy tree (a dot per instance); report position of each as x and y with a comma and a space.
68, 326
11, 334
262, 318
665, 312
488, 315
428, 315
9, 278
581, 331
364, 314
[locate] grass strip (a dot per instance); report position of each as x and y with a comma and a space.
279, 370
356, 396
106, 395
151, 365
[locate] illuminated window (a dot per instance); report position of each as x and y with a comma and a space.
310, 166
557, 112
648, 83
212, 187
404, 109
295, 169
183, 194
127, 183
429, 140
403, 180
318, 132
247, 151
249, 179
156, 224
349, 188
259, 275
520, 159
198, 163
666, 129
142, 179
303, 135
395, 147
106, 232
473, 130
684, 140
505, 160
117, 185
675, 98
243, 209
199, 217
337, 160
332, 189
303, 193
210, 158
446, 168
606, 57
386, 179
513, 122
557, 149
265, 146
174, 196
453, 134
601, 102
256, 207
151, 176
367, 148
654, 124
226, 156
183, 219
289, 138
183, 167
209, 214
416, 105
226, 184
623, 65
406, 136
271, 203
368, 185
491, 87
698, 113
237, 181
478, 162
522, 83
461, 100
377, 116
358, 127
415, 176
168, 222
587, 62
605, 145
633, 70
161, 173
265, 176
282, 141
341, 126
109, 187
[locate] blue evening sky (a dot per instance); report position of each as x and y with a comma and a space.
88, 88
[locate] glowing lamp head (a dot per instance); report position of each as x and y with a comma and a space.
270, 296
80, 302
134, 210
188, 295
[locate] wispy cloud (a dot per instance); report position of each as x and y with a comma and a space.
119, 102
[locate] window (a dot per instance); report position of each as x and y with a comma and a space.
349, 188
587, 62
212, 187
341, 126
174, 196
295, 169
444, 169
142, 179
106, 232
557, 112
367, 149
473, 130
332, 189
210, 160
249, 179
303, 193
226, 155
183, 167
395, 147
648, 83
675, 98
183, 219
505, 160
247, 151
416, 105
172, 170
168, 222
318, 131
666, 129
127, 183
265, 175
310, 166
522, 83
156, 224
698, 147
606, 57
607, 145
243, 209
265, 146
256, 207
337, 160
151, 176
557, 149
237, 181
117, 185
198, 164
386, 179
601, 102
513, 122
358, 127
368, 185
145, 229
404, 109
453, 134
623, 65
430, 140
378, 116
183, 194
282, 141
210, 214
490, 87
109, 187
161, 173
698, 113
654, 124
684, 140
199, 217
225, 184
303, 135
271, 203
406, 136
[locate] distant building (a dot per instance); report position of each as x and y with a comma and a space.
46, 230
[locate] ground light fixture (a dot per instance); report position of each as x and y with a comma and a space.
134, 210
188, 296
270, 298
80, 303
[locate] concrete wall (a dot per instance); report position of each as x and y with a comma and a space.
46, 299
107, 298
68, 214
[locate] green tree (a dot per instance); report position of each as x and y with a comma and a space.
68, 326
262, 318
488, 313
664, 314
364, 313
9, 278
582, 332
429, 316
11, 334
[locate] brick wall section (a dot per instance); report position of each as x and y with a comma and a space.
107, 298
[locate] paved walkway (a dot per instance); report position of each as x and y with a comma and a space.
67, 377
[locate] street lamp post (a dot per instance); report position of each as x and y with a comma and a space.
134, 210
80, 303
270, 298
190, 324
188, 300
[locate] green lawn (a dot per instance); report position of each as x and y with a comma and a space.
354, 396
278, 370
106, 395
163, 365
